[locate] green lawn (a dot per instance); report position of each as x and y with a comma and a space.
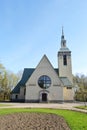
82, 107
75, 120
4, 105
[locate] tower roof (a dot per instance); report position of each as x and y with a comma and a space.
63, 43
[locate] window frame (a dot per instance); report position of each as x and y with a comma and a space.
46, 81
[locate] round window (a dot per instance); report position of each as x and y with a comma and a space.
44, 82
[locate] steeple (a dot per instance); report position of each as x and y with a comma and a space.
64, 60
63, 41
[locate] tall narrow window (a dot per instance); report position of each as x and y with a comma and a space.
64, 60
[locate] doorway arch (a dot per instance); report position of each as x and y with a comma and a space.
44, 96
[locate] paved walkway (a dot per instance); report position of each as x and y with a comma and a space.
69, 106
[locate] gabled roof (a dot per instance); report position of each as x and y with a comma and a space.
26, 75
44, 61
66, 81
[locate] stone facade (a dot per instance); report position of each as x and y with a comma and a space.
65, 70
34, 92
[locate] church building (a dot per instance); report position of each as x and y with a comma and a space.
46, 83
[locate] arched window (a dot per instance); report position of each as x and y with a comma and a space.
44, 82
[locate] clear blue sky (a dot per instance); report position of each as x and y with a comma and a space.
31, 28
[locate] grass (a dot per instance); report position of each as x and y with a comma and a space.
3, 105
75, 120
82, 107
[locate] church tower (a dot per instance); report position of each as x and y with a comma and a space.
64, 60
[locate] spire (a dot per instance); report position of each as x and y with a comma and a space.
63, 41
62, 37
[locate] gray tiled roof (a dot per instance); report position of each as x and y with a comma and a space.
26, 75
66, 81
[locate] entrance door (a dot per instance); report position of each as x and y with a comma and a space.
44, 97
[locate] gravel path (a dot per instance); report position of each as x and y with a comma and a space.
69, 106
32, 121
